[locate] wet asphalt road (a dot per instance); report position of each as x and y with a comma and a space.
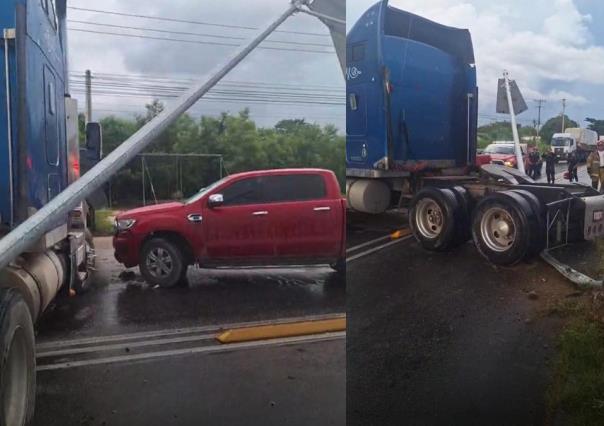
446, 338
296, 383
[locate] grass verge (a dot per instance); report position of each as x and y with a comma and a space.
103, 222
576, 394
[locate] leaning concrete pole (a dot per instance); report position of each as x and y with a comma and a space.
30, 231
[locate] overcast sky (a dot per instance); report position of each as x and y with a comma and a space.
316, 74
554, 49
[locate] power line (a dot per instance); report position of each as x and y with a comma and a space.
185, 21
166, 78
193, 34
221, 98
198, 42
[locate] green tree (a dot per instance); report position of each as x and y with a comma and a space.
595, 124
554, 125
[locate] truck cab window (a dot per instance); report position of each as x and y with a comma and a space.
246, 191
288, 188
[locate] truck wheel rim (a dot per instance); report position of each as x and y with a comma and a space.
498, 229
430, 219
14, 383
159, 262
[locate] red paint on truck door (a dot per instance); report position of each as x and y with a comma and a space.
240, 229
305, 218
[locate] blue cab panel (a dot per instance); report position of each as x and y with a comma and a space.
37, 139
411, 94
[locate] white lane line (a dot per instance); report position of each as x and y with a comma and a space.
197, 350
179, 331
157, 342
368, 243
375, 249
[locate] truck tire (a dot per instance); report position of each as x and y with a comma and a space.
18, 362
433, 217
162, 263
463, 224
538, 237
503, 226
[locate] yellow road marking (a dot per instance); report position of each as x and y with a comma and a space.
274, 331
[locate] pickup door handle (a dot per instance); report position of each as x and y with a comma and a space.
195, 218
260, 213
322, 209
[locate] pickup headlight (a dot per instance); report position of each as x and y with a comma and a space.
509, 164
124, 224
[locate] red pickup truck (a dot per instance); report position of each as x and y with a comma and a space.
271, 217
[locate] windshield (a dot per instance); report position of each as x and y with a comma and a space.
499, 149
204, 191
560, 142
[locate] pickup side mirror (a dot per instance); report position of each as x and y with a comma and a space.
215, 200
94, 141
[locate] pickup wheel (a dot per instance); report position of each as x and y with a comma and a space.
18, 360
433, 217
503, 227
161, 263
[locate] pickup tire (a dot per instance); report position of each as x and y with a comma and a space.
162, 263
17, 361
433, 217
503, 228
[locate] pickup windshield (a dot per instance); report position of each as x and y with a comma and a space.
560, 142
499, 149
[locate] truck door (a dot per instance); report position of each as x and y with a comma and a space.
305, 221
238, 231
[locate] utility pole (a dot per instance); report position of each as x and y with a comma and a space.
563, 113
540, 103
88, 96
519, 159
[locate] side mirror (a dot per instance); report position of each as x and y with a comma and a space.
94, 141
215, 200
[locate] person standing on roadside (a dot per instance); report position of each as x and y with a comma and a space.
595, 165
573, 163
550, 166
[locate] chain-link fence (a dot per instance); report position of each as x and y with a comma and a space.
158, 177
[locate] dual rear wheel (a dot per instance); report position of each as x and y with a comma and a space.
506, 226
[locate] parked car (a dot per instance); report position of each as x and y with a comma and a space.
503, 153
271, 217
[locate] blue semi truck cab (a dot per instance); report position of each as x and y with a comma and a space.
411, 102
40, 155
411, 131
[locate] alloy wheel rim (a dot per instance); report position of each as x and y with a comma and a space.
159, 262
